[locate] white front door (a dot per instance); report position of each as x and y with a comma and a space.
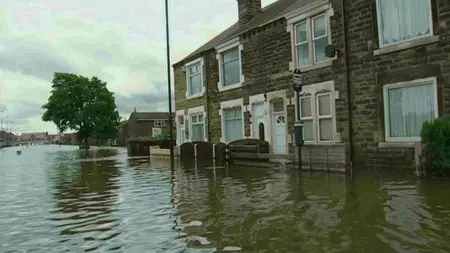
279, 128
181, 130
257, 117
181, 134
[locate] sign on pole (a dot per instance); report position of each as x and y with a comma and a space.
297, 80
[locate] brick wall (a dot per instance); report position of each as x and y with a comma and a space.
368, 74
266, 58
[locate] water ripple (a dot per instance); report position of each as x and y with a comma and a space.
60, 199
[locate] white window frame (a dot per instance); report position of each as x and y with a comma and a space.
186, 68
313, 91
319, 117
197, 123
386, 88
308, 118
178, 125
305, 15
380, 36
159, 123
230, 44
196, 111
227, 105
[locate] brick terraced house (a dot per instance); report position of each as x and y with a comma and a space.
390, 74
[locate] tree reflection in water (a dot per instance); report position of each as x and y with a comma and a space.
86, 194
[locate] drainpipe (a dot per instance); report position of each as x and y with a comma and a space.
208, 75
347, 80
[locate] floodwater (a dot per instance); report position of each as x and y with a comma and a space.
59, 199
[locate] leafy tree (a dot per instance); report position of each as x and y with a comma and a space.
84, 105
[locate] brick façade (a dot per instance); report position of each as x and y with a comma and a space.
267, 55
369, 72
265, 64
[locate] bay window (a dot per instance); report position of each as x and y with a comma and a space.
233, 123
316, 114
403, 20
198, 128
407, 106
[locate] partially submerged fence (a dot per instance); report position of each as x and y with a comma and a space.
202, 154
205, 154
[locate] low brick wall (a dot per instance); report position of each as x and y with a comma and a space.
142, 147
331, 158
156, 151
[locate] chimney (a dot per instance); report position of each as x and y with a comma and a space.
248, 9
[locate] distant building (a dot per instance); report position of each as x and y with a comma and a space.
6, 138
145, 125
34, 137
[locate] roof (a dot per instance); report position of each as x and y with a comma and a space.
268, 14
150, 115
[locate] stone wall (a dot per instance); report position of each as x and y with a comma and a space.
370, 69
266, 60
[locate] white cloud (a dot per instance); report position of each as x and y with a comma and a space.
121, 42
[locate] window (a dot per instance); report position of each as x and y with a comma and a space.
403, 20
198, 128
311, 38
324, 117
159, 123
317, 120
231, 73
307, 118
407, 107
233, 124
194, 79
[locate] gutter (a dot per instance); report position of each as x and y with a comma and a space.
208, 102
347, 80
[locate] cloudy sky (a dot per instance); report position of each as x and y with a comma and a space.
119, 42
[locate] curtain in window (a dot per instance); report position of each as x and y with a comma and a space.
233, 124
231, 68
409, 107
302, 44
320, 38
307, 119
195, 79
325, 117
400, 20
198, 130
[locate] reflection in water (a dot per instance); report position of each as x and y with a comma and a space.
60, 199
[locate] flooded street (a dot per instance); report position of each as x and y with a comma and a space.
59, 199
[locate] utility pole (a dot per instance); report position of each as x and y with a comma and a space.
172, 162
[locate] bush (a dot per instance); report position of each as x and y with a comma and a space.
162, 137
436, 137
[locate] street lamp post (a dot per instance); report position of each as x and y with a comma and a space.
298, 126
169, 87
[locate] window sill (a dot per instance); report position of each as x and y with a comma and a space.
410, 144
312, 144
229, 87
406, 45
320, 65
194, 96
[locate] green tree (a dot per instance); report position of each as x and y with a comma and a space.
84, 105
